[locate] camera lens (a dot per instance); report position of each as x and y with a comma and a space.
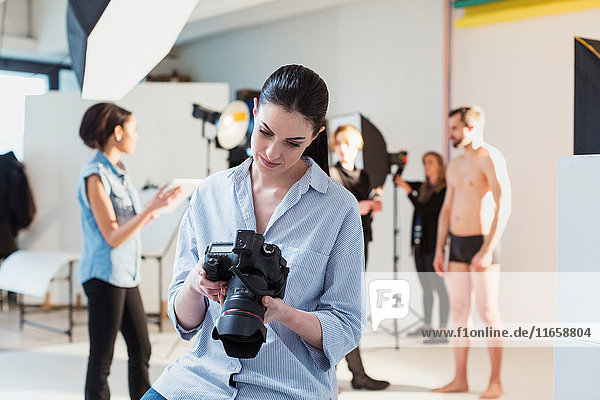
250, 268
240, 326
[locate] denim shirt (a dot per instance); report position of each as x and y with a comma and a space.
318, 228
119, 266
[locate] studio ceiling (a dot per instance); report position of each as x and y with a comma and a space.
35, 29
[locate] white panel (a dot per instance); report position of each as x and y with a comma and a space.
578, 213
578, 298
170, 146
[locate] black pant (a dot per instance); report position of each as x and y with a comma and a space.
430, 282
112, 309
353, 358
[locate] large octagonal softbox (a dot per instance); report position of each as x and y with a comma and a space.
115, 43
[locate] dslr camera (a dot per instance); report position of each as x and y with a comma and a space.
252, 269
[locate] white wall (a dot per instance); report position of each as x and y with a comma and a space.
522, 74
170, 146
577, 290
381, 58
42, 38
16, 20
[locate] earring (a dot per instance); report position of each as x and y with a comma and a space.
118, 138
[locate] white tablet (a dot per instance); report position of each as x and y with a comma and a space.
187, 188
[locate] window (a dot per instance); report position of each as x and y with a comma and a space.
15, 86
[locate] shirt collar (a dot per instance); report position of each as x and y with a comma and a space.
101, 157
314, 175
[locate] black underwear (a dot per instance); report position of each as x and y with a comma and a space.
463, 248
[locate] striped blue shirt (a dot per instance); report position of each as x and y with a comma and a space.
317, 226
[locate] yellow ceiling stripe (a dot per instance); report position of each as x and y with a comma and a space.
510, 10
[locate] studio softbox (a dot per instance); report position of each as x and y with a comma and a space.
587, 96
115, 43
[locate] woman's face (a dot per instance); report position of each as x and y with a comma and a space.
279, 138
432, 168
127, 135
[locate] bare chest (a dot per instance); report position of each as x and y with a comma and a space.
468, 176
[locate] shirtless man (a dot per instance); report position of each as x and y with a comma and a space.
474, 215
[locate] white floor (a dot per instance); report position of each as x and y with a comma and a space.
40, 365
57, 371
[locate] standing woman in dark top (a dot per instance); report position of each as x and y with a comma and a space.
427, 198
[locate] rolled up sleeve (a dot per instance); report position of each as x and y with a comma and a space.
342, 306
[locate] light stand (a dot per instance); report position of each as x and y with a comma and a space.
395, 250
208, 142
396, 220
206, 116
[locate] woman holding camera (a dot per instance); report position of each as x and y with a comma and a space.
284, 194
109, 269
427, 197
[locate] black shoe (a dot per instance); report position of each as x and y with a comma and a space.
419, 331
363, 381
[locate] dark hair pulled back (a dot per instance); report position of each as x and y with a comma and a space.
99, 123
296, 88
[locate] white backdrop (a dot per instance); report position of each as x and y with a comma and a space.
384, 59
577, 293
381, 58
521, 73
170, 146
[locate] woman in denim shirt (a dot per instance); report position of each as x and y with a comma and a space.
109, 269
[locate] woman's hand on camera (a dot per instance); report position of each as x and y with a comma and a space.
304, 324
399, 181
162, 199
276, 309
198, 283
190, 307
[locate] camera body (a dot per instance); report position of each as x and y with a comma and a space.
252, 269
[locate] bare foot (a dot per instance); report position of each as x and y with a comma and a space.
493, 391
453, 387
